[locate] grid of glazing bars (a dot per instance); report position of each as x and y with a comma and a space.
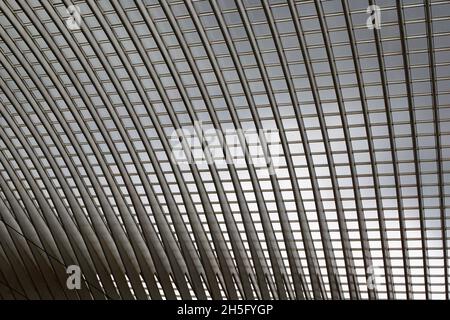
361, 194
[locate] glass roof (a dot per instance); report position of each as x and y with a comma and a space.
220, 149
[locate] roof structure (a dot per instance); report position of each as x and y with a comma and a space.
220, 149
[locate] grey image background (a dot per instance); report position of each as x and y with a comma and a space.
127, 171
